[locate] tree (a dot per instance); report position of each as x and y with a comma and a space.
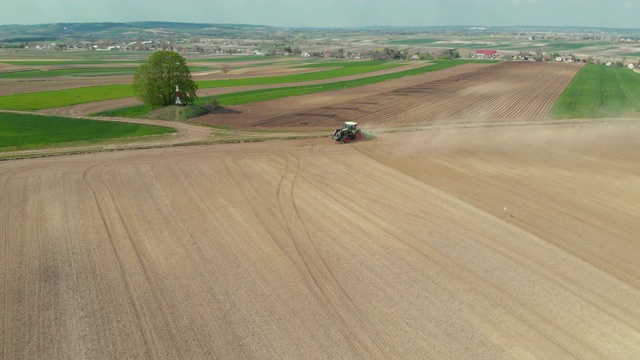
155, 81
225, 68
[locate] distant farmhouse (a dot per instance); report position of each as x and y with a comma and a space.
486, 54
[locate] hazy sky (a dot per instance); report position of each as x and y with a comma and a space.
331, 13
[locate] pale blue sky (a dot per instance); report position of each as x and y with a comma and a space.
331, 13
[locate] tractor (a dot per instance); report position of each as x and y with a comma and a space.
349, 132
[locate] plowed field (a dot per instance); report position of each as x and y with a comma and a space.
476, 242
507, 90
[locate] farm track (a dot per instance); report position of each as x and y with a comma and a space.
141, 259
497, 241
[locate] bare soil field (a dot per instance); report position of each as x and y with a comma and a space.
486, 243
494, 234
507, 90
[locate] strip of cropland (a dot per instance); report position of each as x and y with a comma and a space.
599, 91
59, 98
78, 71
28, 131
246, 97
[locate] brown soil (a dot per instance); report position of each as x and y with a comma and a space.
484, 243
480, 238
507, 90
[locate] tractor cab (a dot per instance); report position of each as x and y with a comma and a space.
350, 125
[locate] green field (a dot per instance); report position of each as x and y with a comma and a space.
26, 74
567, 46
59, 98
25, 131
413, 41
599, 91
71, 62
131, 60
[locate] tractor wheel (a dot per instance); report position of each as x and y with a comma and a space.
358, 135
346, 139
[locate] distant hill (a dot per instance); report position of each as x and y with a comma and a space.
130, 30
133, 31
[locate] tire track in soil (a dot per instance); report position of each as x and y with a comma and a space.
5, 348
150, 348
4, 345
316, 288
354, 313
475, 280
480, 284
169, 326
150, 345
521, 257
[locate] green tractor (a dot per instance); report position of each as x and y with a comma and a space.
349, 132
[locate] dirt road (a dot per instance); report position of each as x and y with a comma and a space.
483, 243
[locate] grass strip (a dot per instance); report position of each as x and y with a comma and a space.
27, 131
59, 98
86, 72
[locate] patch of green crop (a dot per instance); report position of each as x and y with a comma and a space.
413, 41
567, 46
86, 72
58, 98
136, 111
26, 131
599, 91
70, 62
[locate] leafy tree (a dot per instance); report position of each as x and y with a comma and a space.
155, 81
426, 56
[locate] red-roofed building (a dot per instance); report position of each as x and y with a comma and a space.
486, 53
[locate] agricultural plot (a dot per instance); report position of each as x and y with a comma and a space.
23, 131
508, 90
495, 234
482, 243
78, 72
600, 91
66, 97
